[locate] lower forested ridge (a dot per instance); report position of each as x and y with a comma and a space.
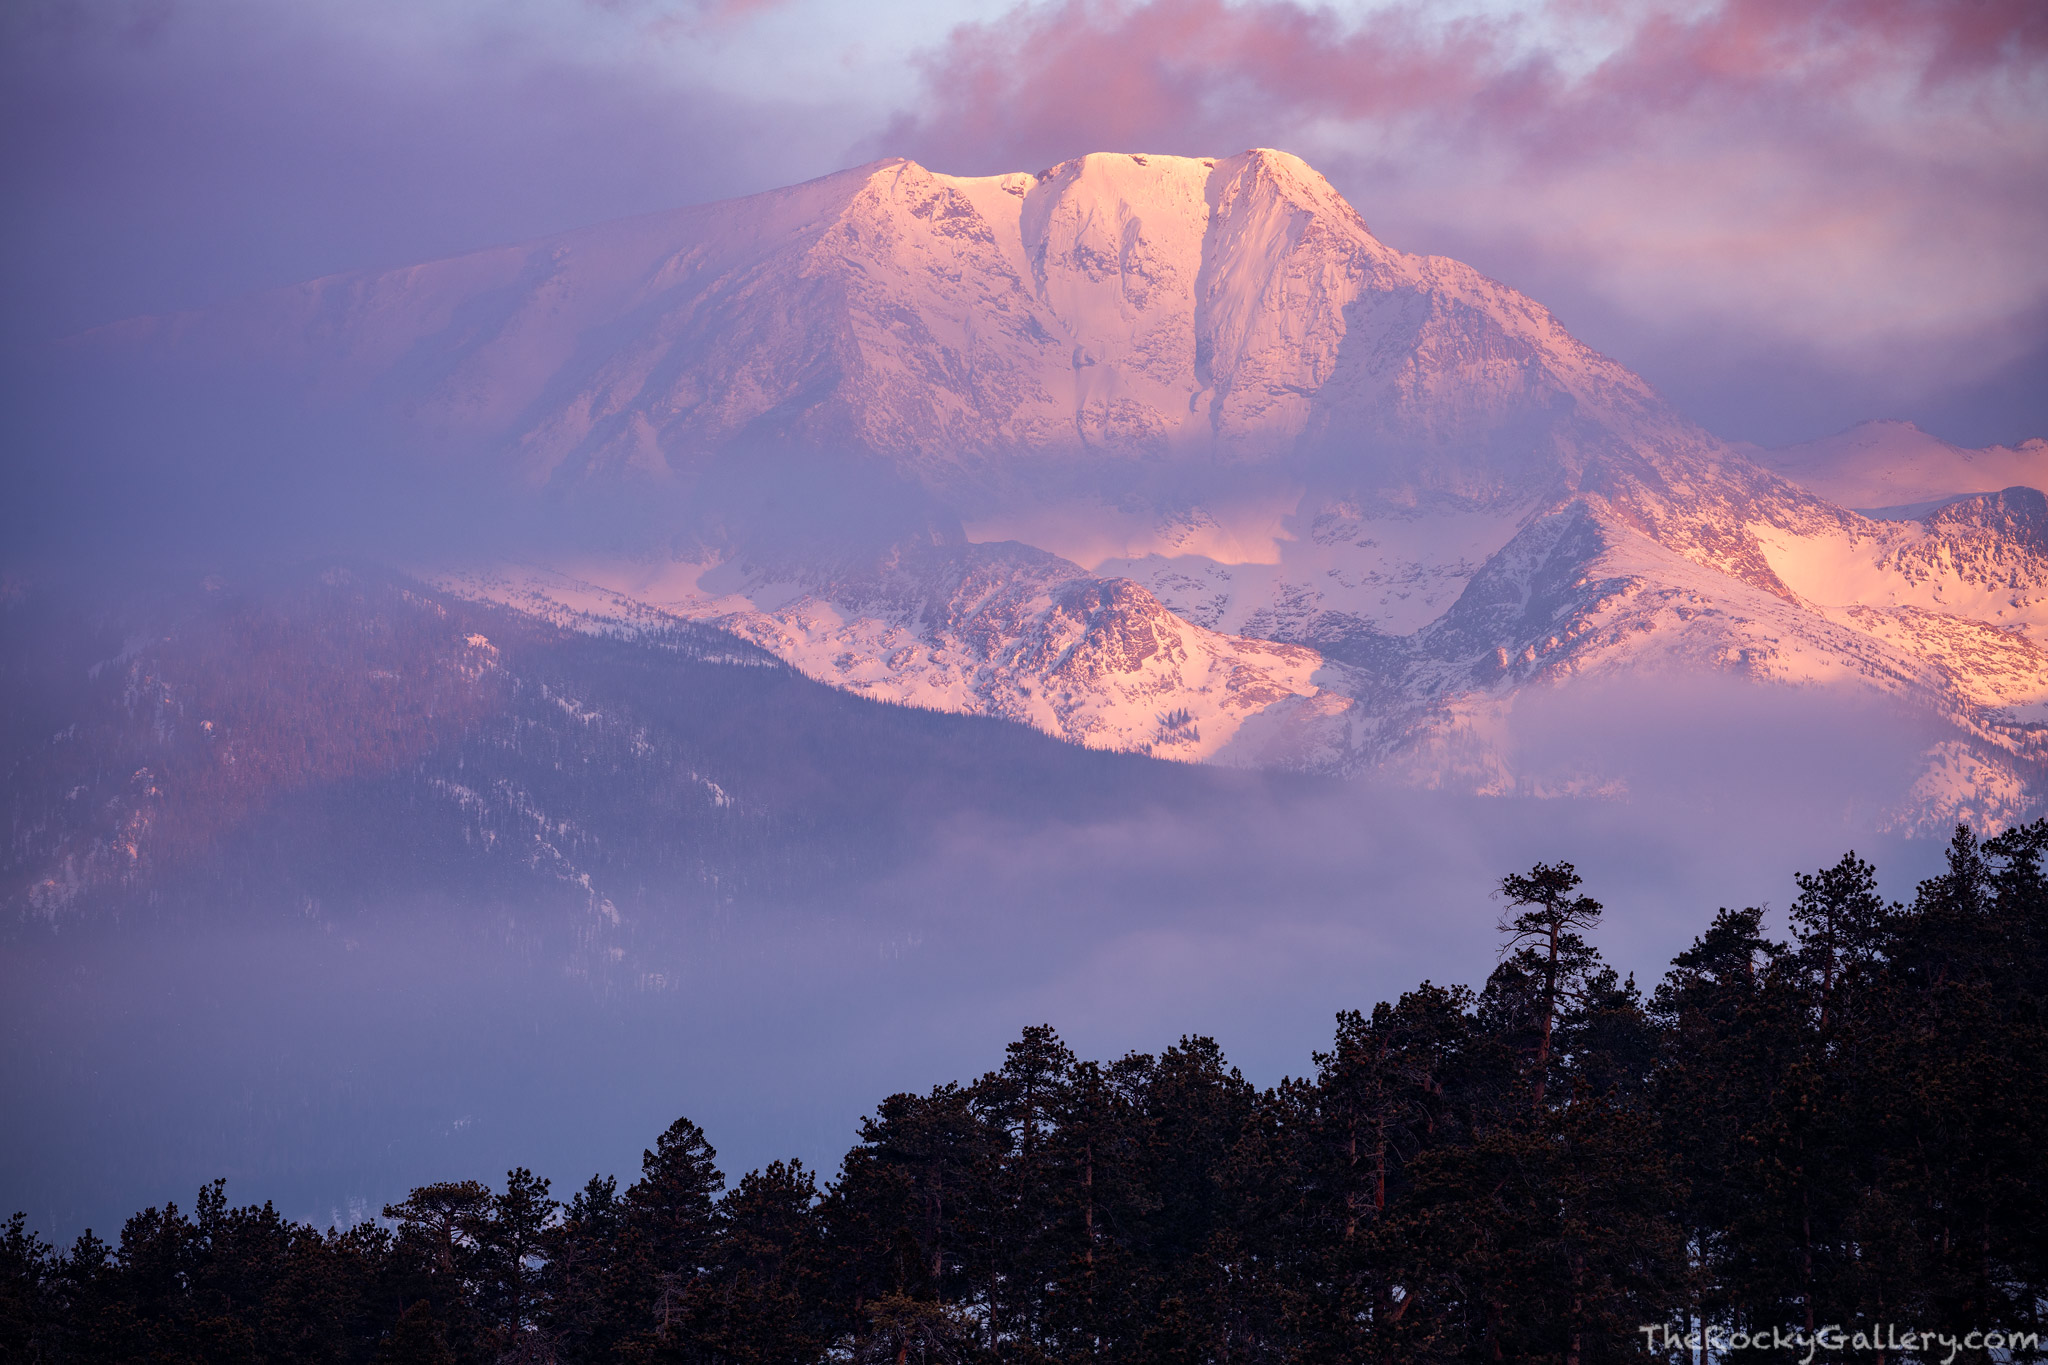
1838, 1132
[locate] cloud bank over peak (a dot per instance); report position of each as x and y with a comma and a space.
1713, 192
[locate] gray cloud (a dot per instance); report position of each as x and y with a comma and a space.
161, 157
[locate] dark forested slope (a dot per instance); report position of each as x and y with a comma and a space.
338, 736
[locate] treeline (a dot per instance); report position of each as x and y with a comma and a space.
1842, 1130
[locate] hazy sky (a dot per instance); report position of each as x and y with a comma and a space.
1787, 216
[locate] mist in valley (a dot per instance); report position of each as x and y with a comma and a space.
329, 1056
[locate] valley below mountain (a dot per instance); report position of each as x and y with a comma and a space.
331, 881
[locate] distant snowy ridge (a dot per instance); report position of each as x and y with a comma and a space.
1882, 466
1947, 620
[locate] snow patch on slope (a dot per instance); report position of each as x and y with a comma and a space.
996, 630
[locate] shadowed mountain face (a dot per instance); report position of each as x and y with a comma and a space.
339, 738
333, 884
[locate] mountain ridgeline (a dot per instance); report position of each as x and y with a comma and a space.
1827, 1140
1131, 437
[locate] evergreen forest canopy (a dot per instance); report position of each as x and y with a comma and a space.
1780, 1137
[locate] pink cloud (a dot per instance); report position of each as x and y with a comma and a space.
1850, 188
1174, 69
1082, 75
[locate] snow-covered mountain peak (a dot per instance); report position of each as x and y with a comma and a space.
1277, 491
981, 334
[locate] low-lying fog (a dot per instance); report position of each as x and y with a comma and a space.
329, 1068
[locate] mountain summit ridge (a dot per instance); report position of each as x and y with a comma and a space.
1120, 304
